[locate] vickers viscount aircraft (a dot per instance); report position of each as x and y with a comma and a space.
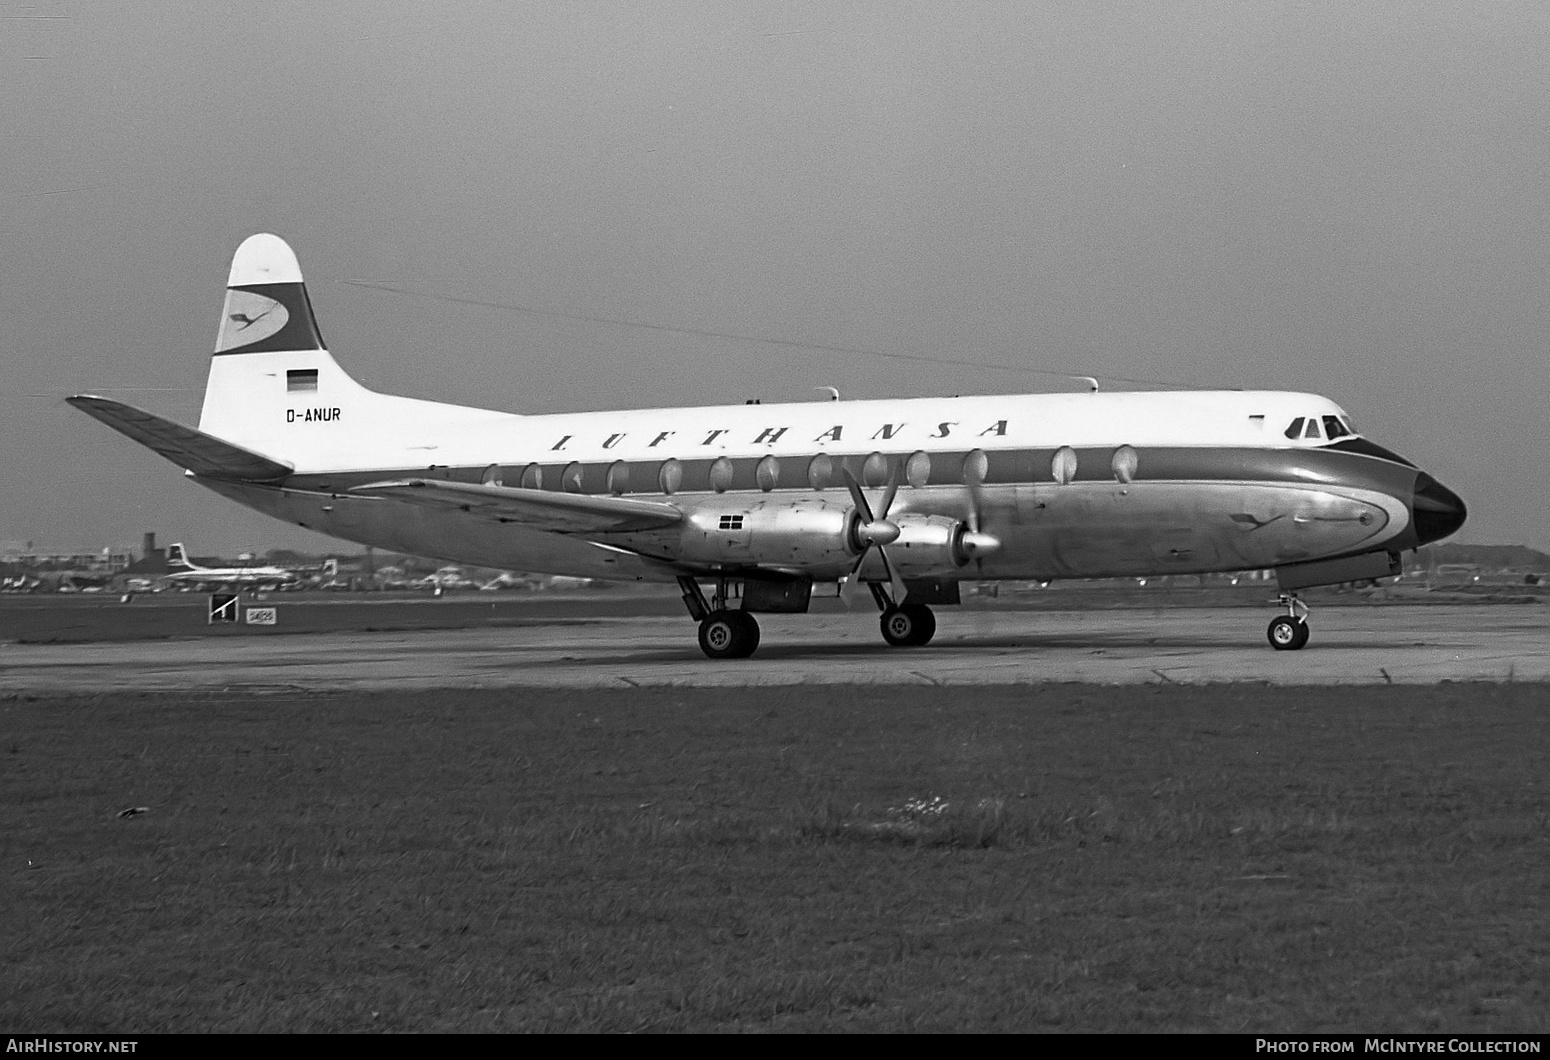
183, 571
896, 500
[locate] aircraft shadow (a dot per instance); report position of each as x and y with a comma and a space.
956, 648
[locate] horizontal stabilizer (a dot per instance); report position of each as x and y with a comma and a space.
201, 453
566, 513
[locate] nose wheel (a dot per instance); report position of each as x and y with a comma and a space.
1289, 632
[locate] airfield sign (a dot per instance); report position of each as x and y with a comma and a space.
223, 607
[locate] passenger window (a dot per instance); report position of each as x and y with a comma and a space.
1295, 430
1333, 428
1312, 430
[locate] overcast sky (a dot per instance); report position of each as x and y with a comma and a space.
1346, 198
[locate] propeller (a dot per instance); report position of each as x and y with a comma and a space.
975, 543
873, 531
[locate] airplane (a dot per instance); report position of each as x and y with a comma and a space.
183, 571
894, 500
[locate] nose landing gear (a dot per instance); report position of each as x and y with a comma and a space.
1289, 632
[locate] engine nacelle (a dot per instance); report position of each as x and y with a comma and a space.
818, 536
811, 534
927, 545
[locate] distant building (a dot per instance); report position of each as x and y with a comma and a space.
25, 554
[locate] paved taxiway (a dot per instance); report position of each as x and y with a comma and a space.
1350, 645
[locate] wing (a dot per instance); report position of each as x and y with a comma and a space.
195, 451
564, 513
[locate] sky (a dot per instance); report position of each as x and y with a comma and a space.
592, 205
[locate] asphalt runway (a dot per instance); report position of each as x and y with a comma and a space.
1350, 645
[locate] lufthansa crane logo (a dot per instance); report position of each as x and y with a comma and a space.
249, 317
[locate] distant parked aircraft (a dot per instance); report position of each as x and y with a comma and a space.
181, 571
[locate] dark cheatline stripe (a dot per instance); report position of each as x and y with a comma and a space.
301, 327
1366, 448
1312, 467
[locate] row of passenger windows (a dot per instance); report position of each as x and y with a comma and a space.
821, 472
1308, 427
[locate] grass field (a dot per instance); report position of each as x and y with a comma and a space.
1236, 858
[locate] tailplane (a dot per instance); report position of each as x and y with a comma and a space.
191, 450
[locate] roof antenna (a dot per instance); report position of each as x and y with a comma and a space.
833, 392
1092, 384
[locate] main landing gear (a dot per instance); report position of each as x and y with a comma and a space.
734, 634
728, 634
724, 633
1289, 632
903, 625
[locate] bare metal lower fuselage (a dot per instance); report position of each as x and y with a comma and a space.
1076, 530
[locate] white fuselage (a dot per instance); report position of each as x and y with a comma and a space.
1074, 485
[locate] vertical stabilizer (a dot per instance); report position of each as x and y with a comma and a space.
275, 389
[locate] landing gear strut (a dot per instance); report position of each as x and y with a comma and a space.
1289, 632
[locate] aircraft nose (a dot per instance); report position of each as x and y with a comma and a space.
1436, 510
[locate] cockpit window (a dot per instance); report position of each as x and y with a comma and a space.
1312, 430
1295, 430
1333, 428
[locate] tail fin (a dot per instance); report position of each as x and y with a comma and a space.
267, 309
275, 389
177, 559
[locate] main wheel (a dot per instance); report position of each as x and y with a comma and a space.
729, 635
1287, 633
910, 626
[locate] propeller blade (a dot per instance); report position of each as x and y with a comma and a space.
890, 491
857, 497
900, 590
976, 506
852, 583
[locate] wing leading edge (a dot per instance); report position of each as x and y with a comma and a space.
564, 513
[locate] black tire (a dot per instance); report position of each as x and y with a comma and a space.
729, 635
1287, 633
750, 634
910, 626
